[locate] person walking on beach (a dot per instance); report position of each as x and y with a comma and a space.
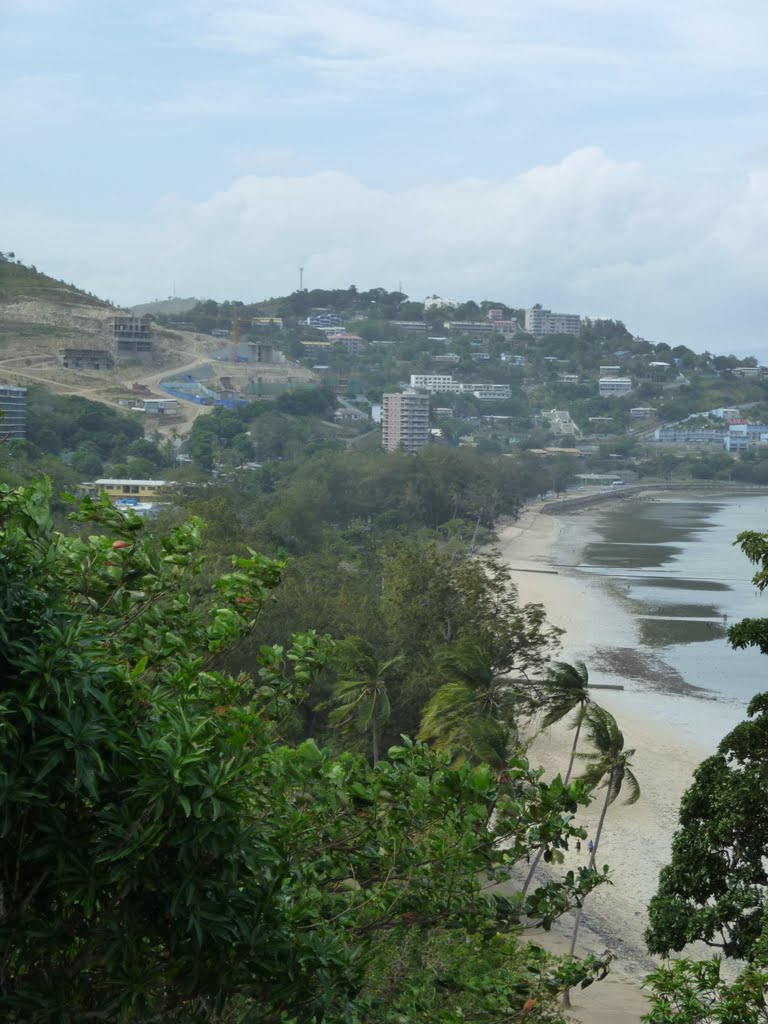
590, 847
578, 846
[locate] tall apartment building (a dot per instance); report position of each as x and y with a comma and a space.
13, 404
405, 421
539, 322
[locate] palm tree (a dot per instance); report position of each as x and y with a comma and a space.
474, 714
360, 702
565, 689
609, 767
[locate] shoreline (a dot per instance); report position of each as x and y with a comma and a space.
656, 722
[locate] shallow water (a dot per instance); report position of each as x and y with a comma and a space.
674, 583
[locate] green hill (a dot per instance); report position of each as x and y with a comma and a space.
19, 282
170, 307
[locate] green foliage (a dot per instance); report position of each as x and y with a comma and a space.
361, 703
690, 992
608, 763
18, 281
61, 423
714, 887
165, 855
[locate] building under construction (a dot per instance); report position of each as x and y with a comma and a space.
85, 359
131, 338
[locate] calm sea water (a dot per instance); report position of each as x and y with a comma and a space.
673, 582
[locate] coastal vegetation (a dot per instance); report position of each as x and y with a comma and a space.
714, 888
168, 851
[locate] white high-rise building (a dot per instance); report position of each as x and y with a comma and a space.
405, 421
539, 322
13, 409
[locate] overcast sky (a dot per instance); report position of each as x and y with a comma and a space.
605, 157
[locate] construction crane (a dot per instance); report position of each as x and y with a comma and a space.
235, 339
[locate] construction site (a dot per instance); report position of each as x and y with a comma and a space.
73, 344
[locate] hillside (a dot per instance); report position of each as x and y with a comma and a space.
40, 315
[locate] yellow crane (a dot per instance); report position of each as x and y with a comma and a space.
235, 339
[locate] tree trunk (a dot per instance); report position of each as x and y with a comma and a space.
608, 791
566, 780
375, 732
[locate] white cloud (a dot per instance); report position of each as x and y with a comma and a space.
635, 45
676, 260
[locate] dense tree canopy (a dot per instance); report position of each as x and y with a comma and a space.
166, 854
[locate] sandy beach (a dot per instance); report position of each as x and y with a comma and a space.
636, 839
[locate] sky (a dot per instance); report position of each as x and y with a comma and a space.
602, 157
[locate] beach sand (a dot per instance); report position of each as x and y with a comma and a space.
636, 839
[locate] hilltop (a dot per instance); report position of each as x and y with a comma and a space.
172, 306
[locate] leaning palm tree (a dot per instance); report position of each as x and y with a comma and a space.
473, 715
564, 689
360, 702
609, 767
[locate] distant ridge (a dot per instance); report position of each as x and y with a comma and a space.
169, 306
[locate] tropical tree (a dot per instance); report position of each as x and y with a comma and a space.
609, 767
360, 703
165, 854
473, 715
565, 689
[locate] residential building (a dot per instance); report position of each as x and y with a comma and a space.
13, 406
405, 421
480, 357
321, 321
141, 490
165, 407
410, 326
539, 322
470, 327
560, 422
610, 371
742, 437
435, 383
613, 386
568, 378
85, 358
131, 338
313, 348
688, 435
642, 412
444, 412
349, 414
749, 371
448, 357
501, 323
353, 343
488, 392
267, 321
